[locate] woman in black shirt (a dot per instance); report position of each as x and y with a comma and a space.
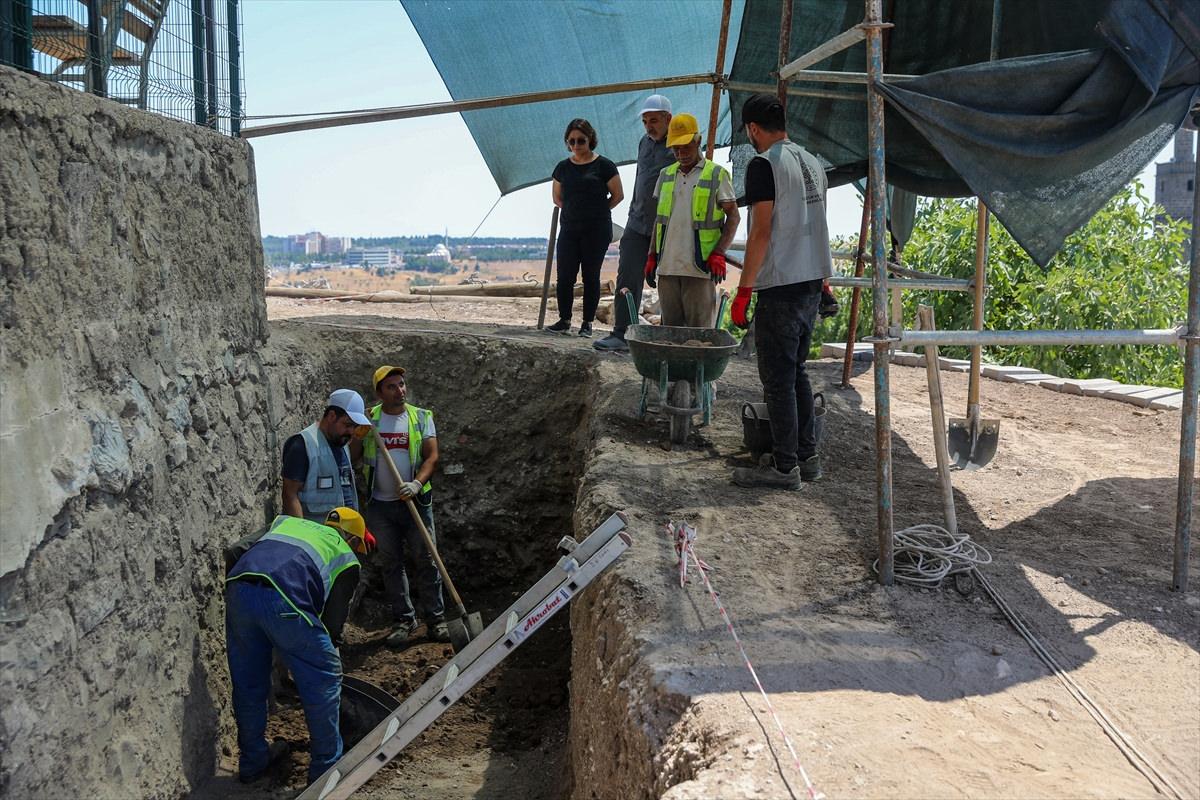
586, 188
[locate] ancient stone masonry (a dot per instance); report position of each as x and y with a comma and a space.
133, 419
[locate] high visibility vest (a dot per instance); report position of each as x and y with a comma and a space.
301, 559
707, 215
416, 419
315, 501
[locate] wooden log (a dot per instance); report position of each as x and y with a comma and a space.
377, 297
502, 289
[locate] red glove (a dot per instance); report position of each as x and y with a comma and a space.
716, 266
741, 304
369, 541
652, 270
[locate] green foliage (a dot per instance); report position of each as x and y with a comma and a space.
1121, 270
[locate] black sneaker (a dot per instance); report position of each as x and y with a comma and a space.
276, 751
585, 330
612, 344
765, 474
401, 633
562, 327
438, 631
810, 469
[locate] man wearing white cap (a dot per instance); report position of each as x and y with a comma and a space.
653, 156
317, 475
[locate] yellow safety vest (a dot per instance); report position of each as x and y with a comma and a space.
707, 215
415, 417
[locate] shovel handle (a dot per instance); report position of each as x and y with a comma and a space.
416, 515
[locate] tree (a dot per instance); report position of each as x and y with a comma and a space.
1121, 270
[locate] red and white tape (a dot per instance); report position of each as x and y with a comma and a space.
685, 542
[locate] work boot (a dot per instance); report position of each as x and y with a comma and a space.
438, 632
401, 633
562, 327
276, 752
766, 475
585, 330
612, 343
810, 469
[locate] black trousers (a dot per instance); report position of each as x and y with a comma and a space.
581, 248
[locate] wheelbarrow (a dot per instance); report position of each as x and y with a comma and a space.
682, 363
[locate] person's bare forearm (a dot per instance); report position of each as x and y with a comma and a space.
729, 229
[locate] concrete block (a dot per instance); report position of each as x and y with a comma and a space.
1035, 378
907, 359
862, 351
954, 364
1126, 394
1171, 402
1088, 386
1052, 383
1147, 397
999, 372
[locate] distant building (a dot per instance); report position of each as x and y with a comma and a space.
439, 253
1174, 180
314, 244
371, 257
337, 244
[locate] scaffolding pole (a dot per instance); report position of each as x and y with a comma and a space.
1185, 497
715, 108
873, 25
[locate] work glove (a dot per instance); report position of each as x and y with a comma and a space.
652, 270
716, 267
740, 307
828, 307
409, 490
369, 541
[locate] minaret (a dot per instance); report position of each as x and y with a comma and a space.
1174, 180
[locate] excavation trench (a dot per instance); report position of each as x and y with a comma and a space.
511, 423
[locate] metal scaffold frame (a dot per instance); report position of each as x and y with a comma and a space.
887, 333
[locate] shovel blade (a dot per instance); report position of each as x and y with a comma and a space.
460, 637
474, 624
972, 452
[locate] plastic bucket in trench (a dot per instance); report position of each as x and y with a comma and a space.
756, 425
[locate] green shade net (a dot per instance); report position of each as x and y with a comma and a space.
1084, 95
486, 48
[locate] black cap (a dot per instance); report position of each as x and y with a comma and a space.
763, 109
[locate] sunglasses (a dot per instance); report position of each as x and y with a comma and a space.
574, 142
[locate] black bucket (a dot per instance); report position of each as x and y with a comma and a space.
756, 425
364, 705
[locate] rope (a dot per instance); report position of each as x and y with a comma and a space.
685, 539
925, 554
1135, 757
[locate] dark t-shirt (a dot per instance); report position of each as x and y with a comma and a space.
760, 187
295, 466
585, 191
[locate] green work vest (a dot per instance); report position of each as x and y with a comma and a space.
707, 215
416, 416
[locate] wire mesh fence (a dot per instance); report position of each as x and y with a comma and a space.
178, 58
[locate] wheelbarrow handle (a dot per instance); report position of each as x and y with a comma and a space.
633, 315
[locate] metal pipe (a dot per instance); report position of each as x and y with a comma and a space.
235, 68
199, 90
980, 339
210, 54
794, 91
1185, 496
457, 106
549, 264
907, 284
997, 16
785, 44
95, 56
878, 197
715, 108
856, 297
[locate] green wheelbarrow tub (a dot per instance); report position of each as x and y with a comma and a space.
651, 345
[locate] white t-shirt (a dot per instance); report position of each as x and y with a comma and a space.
393, 429
678, 255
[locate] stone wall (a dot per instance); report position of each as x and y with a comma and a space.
133, 428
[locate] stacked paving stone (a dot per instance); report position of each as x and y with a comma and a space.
1155, 397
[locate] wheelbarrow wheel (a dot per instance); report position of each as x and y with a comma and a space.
681, 424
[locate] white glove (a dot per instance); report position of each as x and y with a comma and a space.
410, 489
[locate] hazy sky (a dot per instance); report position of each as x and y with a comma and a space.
404, 177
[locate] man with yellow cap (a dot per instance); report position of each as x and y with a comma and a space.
697, 219
289, 590
411, 439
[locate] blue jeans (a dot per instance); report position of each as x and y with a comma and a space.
257, 620
783, 330
396, 535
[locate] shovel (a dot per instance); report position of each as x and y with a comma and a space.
973, 440
464, 627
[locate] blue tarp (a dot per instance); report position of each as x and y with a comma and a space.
484, 48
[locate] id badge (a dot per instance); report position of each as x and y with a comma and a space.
324, 481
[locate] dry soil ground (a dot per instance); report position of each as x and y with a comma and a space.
893, 692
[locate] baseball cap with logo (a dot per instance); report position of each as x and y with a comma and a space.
351, 402
655, 103
682, 130
386, 372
